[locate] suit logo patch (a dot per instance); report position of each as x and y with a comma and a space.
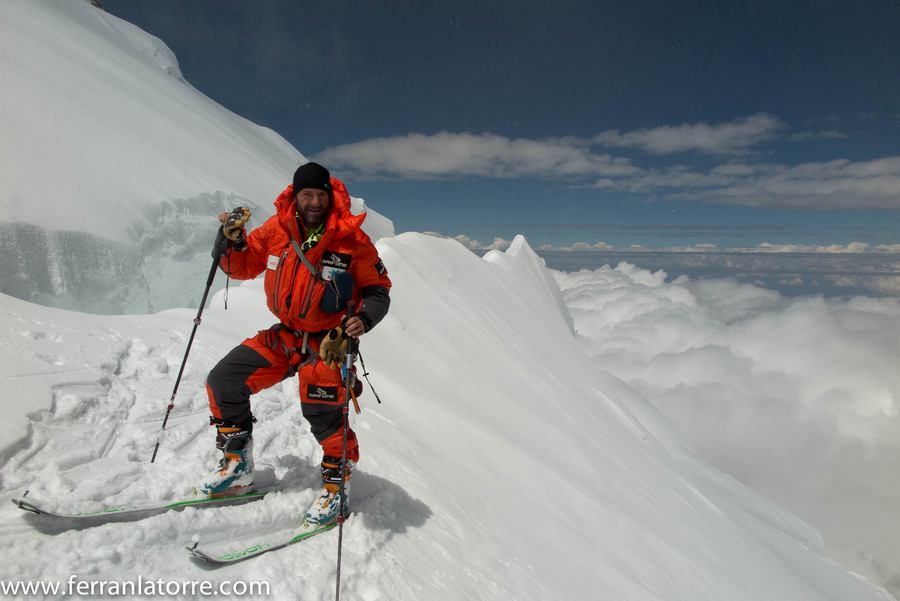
321, 393
380, 268
273, 262
332, 262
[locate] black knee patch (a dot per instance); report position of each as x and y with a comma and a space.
324, 420
228, 382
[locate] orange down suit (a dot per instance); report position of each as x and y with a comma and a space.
293, 295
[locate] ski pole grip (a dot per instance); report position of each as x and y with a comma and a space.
218, 250
221, 244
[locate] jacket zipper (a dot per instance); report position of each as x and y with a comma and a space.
278, 273
307, 297
287, 304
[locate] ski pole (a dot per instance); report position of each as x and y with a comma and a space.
345, 413
217, 252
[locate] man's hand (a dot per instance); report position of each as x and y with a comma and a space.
233, 223
355, 327
333, 349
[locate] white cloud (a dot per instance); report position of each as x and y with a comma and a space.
816, 135
473, 244
466, 154
499, 244
889, 285
834, 184
766, 247
799, 398
836, 269
673, 177
718, 138
694, 248
469, 243
418, 156
578, 246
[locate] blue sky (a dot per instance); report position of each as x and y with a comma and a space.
663, 124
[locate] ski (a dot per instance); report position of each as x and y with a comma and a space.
231, 551
100, 511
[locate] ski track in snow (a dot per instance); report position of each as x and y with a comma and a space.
92, 444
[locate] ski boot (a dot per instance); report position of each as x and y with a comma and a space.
234, 476
325, 509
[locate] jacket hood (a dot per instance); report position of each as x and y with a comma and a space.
339, 216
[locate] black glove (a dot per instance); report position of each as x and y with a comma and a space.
233, 226
333, 350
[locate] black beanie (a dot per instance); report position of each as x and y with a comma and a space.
312, 175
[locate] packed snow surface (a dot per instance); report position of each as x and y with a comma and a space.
502, 464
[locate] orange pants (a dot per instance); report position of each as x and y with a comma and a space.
268, 358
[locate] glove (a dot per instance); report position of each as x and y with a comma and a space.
333, 349
233, 226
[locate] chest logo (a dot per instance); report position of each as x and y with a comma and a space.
332, 262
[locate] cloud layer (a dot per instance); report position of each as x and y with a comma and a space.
733, 177
719, 138
799, 398
853, 269
834, 184
473, 155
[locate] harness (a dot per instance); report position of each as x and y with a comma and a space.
277, 342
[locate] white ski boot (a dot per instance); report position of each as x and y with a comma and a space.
325, 509
234, 476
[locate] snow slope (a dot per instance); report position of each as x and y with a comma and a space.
502, 464
112, 166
